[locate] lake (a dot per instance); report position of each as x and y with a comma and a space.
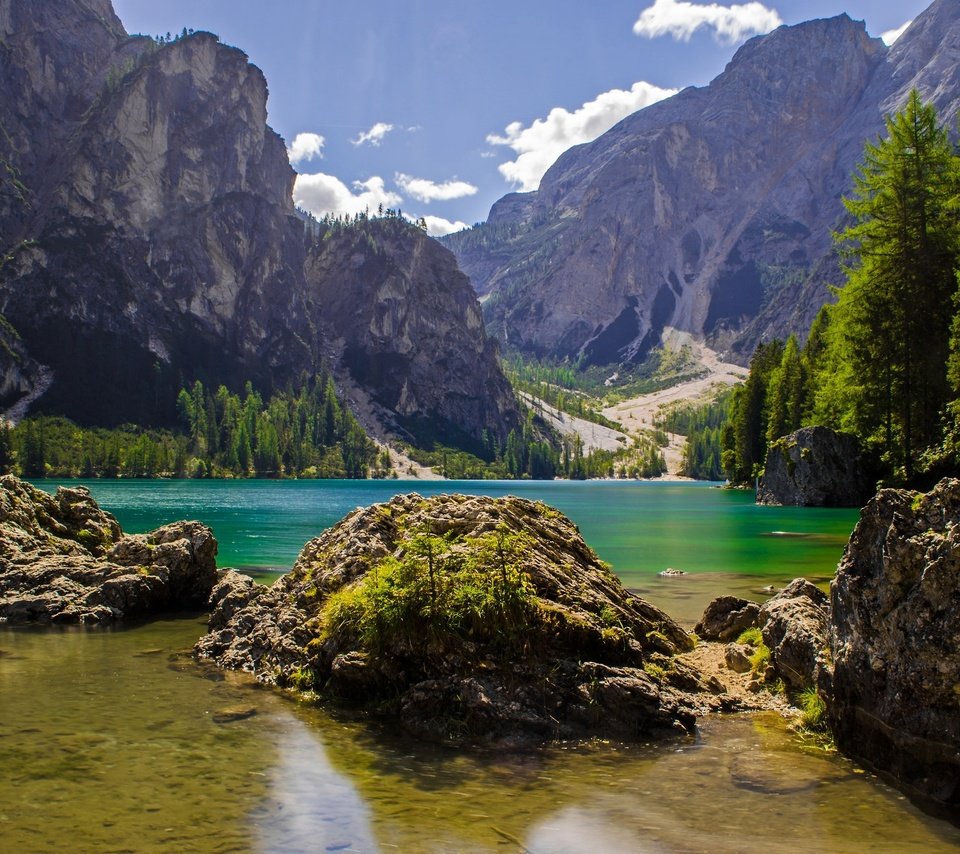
115, 740
720, 538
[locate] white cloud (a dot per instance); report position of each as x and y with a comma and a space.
540, 144
437, 226
306, 146
890, 36
730, 24
429, 191
375, 135
326, 194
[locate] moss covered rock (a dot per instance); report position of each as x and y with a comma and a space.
470, 619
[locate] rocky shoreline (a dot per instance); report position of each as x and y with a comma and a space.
64, 560
489, 622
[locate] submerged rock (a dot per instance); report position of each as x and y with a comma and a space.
895, 629
815, 467
64, 560
469, 619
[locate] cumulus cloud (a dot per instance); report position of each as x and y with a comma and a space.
890, 36
430, 191
437, 226
730, 24
326, 194
540, 144
305, 146
374, 136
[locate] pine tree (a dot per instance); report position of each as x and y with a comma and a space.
885, 371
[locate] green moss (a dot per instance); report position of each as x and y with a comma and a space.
751, 637
654, 671
302, 679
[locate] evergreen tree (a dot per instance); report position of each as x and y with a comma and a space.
884, 374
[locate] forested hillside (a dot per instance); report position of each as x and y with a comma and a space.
883, 362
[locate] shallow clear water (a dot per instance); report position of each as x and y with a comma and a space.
115, 740
720, 538
110, 741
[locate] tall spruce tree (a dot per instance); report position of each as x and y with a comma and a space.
884, 374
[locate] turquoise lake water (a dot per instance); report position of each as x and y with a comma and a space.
720, 538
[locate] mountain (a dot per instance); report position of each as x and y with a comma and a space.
152, 241
712, 211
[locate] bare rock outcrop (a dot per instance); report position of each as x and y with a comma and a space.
815, 467
895, 629
726, 617
64, 560
469, 619
795, 627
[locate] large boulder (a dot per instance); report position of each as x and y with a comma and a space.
815, 467
896, 642
796, 628
64, 560
468, 619
726, 618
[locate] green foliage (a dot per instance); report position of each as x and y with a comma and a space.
702, 424
760, 658
883, 375
813, 710
745, 442
883, 363
440, 591
303, 433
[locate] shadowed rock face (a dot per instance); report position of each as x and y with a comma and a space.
64, 560
896, 642
157, 243
711, 211
577, 671
815, 467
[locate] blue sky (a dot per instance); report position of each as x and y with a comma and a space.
440, 107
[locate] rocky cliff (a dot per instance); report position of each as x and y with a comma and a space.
156, 241
711, 211
815, 467
895, 628
64, 560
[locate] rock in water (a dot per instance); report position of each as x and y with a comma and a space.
815, 467
64, 560
471, 619
896, 642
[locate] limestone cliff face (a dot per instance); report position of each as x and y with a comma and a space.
711, 211
157, 243
411, 329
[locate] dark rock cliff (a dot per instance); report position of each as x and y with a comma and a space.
815, 467
154, 239
895, 628
711, 211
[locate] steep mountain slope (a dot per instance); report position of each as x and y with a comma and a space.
157, 242
711, 211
